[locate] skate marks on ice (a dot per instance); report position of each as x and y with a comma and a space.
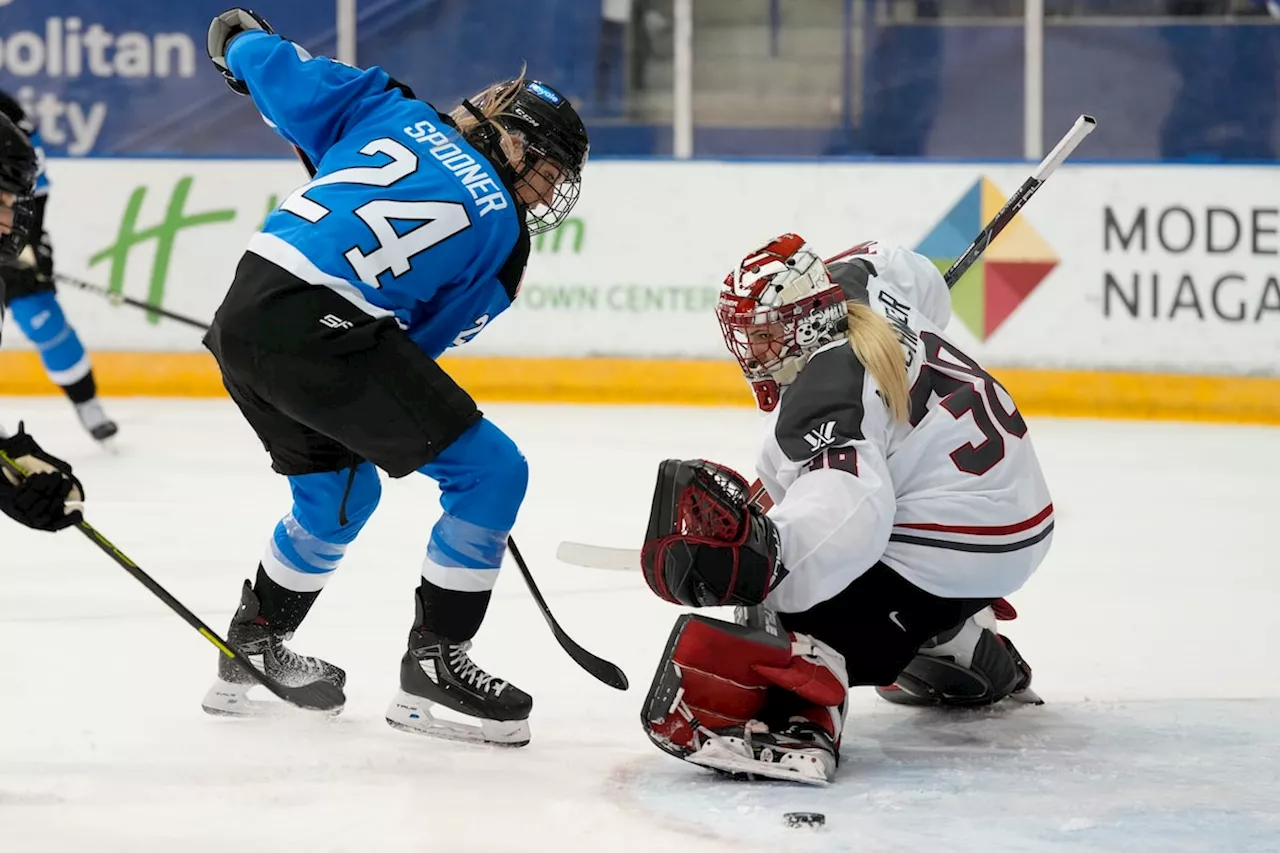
1160, 776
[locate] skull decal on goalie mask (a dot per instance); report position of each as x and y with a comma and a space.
775, 310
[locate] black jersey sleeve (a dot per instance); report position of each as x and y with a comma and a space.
823, 407
852, 276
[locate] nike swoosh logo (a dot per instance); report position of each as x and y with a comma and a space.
893, 617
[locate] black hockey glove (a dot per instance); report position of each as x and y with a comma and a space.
706, 544
222, 30
39, 499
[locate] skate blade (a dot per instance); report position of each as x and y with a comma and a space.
895, 694
410, 713
225, 699
716, 758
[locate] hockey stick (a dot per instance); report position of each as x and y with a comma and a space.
627, 559
1082, 128
609, 673
120, 298
319, 696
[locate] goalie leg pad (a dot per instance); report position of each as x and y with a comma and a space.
716, 682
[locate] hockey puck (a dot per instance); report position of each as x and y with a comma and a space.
809, 819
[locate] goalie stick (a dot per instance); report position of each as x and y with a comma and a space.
320, 696
1083, 127
628, 559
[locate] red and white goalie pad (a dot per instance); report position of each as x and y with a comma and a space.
716, 676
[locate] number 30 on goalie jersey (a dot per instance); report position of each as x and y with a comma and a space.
404, 216
954, 500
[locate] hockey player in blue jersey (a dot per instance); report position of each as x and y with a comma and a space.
412, 238
32, 299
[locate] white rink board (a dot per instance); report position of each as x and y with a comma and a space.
635, 275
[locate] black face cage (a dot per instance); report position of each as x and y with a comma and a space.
568, 186
18, 174
12, 244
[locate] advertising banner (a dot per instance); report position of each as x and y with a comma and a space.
133, 76
1173, 269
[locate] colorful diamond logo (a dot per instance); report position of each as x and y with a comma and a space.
1014, 264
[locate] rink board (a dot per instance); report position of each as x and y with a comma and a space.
1119, 290
1236, 399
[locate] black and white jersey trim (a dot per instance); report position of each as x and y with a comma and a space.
972, 547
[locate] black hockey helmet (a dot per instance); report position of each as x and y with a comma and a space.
18, 169
552, 133
18, 163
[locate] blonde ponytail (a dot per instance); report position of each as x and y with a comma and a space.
875, 343
492, 103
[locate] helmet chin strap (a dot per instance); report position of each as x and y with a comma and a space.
488, 136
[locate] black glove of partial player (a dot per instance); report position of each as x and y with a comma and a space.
39, 499
222, 30
31, 270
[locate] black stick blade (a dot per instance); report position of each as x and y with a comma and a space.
597, 667
318, 696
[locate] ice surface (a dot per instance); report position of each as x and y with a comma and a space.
1150, 628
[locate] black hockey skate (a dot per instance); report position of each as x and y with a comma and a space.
435, 671
801, 752
968, 666
265, 648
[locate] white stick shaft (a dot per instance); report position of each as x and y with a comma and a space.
1082, 128
599, 557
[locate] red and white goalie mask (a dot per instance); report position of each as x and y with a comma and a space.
775, 310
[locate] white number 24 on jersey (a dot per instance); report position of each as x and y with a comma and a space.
440, 219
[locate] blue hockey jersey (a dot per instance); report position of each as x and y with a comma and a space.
42, 178
404, 217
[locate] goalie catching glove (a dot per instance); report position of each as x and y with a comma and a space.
707, 545
748, 701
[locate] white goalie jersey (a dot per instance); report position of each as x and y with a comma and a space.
953, 501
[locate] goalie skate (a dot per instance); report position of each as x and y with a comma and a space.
802, 753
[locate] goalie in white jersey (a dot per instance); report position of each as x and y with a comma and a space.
903, 499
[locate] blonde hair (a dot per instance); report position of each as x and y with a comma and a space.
875, 343
493, 103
